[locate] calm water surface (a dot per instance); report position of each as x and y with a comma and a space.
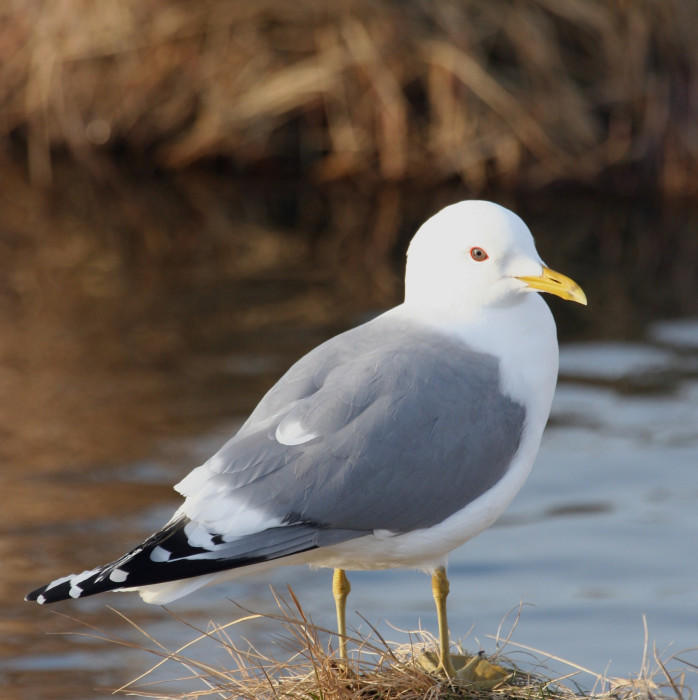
123, 365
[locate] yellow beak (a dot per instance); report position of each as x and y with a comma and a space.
557, 284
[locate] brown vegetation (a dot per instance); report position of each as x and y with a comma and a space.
516, 94
375, 670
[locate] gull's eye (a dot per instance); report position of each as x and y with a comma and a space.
478, 254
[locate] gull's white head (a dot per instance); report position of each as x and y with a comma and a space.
477, 254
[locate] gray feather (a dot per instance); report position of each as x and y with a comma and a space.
412, 426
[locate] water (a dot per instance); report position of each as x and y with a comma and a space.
141, 324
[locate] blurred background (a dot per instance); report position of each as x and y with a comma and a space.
194, 194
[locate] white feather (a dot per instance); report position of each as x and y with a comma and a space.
159, 554
292, 432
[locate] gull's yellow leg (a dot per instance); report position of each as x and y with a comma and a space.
340, 590
440, 588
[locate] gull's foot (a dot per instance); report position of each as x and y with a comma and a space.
475, 671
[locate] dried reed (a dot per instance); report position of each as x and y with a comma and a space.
520, 94
376, 669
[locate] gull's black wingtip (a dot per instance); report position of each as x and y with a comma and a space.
36, 596
47, 594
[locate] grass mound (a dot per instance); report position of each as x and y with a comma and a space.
376, 669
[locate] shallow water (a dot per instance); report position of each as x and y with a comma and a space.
122, 366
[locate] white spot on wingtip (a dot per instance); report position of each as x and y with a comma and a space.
292, 432
118, 575
58, 582
75, 590
160, 554
41, 599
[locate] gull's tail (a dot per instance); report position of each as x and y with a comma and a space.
184, 556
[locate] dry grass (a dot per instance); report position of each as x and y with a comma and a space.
494, 92
376, 669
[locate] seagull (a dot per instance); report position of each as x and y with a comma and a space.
388, 445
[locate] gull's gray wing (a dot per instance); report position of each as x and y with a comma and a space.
388, 426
